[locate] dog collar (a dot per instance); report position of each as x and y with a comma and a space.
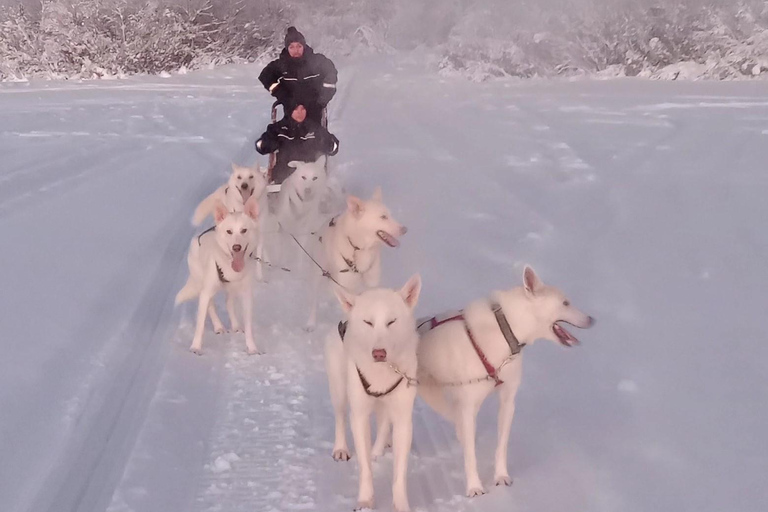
363, 381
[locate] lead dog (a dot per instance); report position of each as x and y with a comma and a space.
218, 260
350, 247
466, 357
367, 359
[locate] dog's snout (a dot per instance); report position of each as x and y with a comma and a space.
379, 355
237, 247
590, 322
403, 230
244, 186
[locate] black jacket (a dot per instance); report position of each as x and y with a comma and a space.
303, 142
310, 80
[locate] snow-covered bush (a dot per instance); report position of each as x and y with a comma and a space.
96, 38
479, 38
706, 41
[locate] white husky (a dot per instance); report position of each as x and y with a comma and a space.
350, 246
369, 360
464, 358
298, 202
243, 183
218, 260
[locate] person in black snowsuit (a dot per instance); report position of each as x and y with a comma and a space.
295, 137
300, 75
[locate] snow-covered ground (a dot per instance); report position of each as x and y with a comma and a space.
643, 200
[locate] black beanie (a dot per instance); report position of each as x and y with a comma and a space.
294, 36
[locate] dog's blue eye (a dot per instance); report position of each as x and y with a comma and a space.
242, 231
229, 231
313, 179
368, 322
304, 177
391, 322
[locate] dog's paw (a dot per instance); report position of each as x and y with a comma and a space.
236, 328
341, 455
253, 351
219, 330
401, 506
196, 350
364, 505
503, 480
309, 328
475, 491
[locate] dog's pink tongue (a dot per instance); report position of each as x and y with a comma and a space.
238, 262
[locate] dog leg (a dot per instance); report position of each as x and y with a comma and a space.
313, 299
466, 432
247, 302
361, 434
202, 311
218, 326
401, 448
260, 256
506, 414
335, 365
232, 313
383, 428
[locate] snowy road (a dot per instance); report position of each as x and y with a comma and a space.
642, 200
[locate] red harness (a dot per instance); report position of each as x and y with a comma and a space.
492, 373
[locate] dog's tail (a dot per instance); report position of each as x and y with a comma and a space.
204, 209
189, 292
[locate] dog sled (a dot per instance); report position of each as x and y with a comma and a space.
273, 188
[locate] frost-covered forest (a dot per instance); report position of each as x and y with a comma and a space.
721, 39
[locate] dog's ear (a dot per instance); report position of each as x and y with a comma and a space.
294, 164
235, 167
355, 206
346, 299
531, 281
251, 207
220, 212
377, 194
320, 162
411, 290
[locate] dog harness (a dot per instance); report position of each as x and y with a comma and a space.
514, 344
199, 242
221, 274
363, 380
218, 268
351, 264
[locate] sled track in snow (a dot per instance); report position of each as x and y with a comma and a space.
93, 461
